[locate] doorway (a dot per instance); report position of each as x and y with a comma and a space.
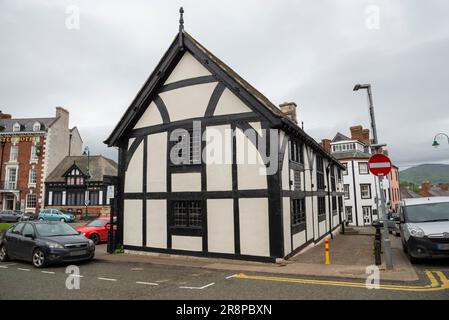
10, 202
367, 215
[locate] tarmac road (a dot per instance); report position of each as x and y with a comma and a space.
122, 280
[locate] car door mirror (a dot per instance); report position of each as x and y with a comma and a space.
107, 226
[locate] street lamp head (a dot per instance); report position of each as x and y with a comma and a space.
435, 144
86, 151
359, 86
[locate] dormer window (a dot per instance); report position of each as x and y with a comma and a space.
16, 127
75, 178
36, 126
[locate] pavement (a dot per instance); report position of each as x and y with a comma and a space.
351, 255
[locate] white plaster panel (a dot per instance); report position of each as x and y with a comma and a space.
188, 67
186, 182
188, 102
150, 117
133, 175
285, 168
187, 243
157, 162
229, 103
299, 239
287, 225
323, 228
220, 225
251, 170
157, 223
218, 157
254, 230
132, 223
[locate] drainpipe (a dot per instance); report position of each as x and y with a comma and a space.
70, 144
329, 201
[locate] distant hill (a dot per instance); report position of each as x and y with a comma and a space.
435, 173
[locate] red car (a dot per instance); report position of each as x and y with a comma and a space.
96, 230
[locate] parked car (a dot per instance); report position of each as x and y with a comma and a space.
55, 215
43, 243
13, 216
424, 227
96, 230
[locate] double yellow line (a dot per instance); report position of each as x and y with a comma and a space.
433, 285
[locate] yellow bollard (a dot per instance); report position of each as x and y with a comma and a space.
326, 246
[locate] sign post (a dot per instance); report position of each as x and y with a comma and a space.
380, 166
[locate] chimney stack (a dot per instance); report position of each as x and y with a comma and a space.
289, 109
326, 144
358, 133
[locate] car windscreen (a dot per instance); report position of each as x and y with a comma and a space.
97, 223
428, 212
55, 229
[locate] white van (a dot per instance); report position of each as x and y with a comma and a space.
424, 227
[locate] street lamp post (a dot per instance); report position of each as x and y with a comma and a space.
435, 143
86, 201
376, 148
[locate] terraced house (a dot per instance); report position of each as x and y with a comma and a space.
30, 148
195, 108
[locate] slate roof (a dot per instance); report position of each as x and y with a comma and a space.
351, 155
438, 192
234, 81
27, 124
99, 167
340, 137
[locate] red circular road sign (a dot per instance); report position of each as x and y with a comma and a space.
379, 164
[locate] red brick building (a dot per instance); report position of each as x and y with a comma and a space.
29, 150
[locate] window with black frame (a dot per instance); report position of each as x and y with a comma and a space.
298, 211
319, 172
187, 214
321, 207
296, 151
333, 184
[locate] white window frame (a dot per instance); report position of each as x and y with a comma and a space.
16, 153
7, 178
27, 201
34, 156
30, 175
360, 168
368, 190
16, 127
36, 127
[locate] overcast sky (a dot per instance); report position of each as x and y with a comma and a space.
310, 52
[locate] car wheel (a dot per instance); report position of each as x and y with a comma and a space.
95, 238
62, 220
41, 219
3, 255
39, 259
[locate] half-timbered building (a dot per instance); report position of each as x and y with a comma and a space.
215, 201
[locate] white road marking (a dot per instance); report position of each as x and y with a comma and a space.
106, 279
199, 288
22, 269
147, 283
136, 269
160, 281
4, 267
231, 276
10, 264
48, 272
76, 275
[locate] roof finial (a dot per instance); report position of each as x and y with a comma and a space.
181, 19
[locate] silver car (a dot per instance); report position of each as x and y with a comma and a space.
424, 227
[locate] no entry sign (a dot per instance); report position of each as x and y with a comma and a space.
379, 164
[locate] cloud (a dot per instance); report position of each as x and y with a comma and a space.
305, 51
